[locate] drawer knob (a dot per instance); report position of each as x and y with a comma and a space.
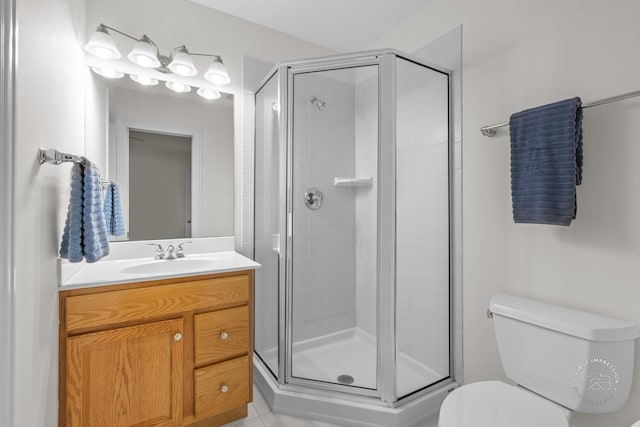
224, 389
224, 335
177, 337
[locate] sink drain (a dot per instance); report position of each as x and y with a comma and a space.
345, 379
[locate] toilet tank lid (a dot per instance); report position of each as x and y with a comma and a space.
577, 323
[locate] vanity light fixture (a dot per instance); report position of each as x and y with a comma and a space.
217, 73
208, 93
181, 62
178, 87
144, 80
146, 53
102, 45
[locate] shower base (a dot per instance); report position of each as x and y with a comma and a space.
349, 352
353, 352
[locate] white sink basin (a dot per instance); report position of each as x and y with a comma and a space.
171, 266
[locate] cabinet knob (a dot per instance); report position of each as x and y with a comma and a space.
224, 335
177, 337
224, 389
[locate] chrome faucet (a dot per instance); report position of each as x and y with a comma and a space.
159, 250
170, 253
180, 251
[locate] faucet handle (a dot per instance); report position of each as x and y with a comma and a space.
159, 250
180, 252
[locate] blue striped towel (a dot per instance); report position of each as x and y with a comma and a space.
113, 210
85, 230
546, 162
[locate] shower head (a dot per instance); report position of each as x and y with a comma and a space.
318, 103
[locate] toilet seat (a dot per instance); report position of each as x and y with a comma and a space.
497, 404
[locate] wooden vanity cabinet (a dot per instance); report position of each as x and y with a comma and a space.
174, 352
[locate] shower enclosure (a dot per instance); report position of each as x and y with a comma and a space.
352, 227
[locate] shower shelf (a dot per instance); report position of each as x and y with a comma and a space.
339, 181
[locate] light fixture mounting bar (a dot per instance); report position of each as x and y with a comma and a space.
117, 31
206, 54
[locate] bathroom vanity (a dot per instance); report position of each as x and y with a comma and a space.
171, 351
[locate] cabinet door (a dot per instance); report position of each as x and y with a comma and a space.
124, 377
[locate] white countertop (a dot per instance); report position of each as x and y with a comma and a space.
119, 267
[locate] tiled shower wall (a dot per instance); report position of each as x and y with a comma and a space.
253, 72
422, 210
366, 200
323, 239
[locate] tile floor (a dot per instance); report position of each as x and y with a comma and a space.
260, 416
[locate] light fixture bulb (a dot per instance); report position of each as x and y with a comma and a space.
181, 63
109, 73
102, 45
144, 53
208, 93
217, 73
144, 80
178, 87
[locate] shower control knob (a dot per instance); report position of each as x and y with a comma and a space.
224, 388
224, 336
313, 198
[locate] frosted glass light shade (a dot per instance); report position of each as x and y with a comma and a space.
178, 87
144, 80
109, 73
182, 64
217, 73
102, 45
144, 53
208, 93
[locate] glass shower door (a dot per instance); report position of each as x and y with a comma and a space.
333, 205
269, 184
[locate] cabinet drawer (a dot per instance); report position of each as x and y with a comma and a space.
221, 335
88, 311
222, 387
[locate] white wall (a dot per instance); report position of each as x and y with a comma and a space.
49, 113
518, 55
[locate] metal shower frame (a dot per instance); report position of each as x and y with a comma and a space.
385, 393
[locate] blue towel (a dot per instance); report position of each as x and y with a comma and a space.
85, 230
546, 162
113, 210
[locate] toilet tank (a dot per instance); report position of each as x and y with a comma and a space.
580, 360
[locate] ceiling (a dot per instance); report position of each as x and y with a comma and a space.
341, 25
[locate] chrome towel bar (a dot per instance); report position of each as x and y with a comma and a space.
491, 130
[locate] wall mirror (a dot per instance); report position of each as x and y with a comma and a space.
171, 154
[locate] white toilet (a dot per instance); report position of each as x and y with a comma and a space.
561, 360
